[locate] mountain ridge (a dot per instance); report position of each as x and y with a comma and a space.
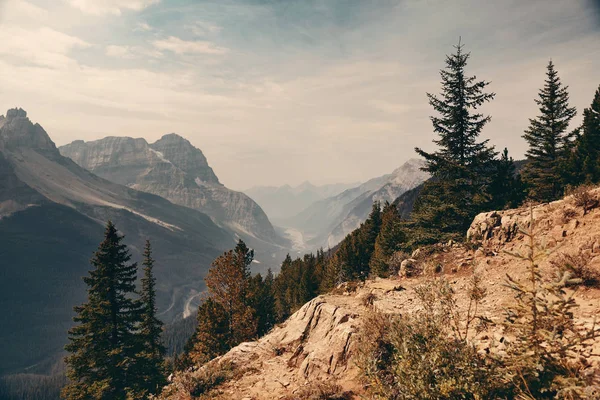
174, 169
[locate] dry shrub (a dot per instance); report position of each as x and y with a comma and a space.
200, 383
345, 288
432, 268
321, 391
425, 355
368, 300
568, 214
576, 270
395, 261
584, 198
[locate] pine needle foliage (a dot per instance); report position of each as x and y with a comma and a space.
103, 345
150, 359
549, 142
462, 166
586, 166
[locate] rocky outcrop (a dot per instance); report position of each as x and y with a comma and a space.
174, 169
557, 219
317, 343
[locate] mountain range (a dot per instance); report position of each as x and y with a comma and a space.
177, 171
327, 221
52, 216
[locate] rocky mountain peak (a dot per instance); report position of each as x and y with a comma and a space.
16, 130
16, 113
186, 157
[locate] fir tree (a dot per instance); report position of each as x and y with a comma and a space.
506, 188
281, 284
212, 336
587, 149
151, 366
227, 283
102, 346
389, 238
462, 166
262, 301
548, 140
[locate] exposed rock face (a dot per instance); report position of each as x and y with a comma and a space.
496, 228
316, 343
17, 130
174, 169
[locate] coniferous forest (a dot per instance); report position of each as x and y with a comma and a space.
119, 349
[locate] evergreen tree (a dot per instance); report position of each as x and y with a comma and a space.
366, 240
390, 237
281, 284
227, 283
548, 140
212, 336
587, 149
262, 301
462, 167
506, 188
151, 365
102, 346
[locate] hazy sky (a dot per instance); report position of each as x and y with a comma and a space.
282, 91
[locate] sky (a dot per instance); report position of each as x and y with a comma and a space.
283, 91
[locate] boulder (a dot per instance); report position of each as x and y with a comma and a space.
407, 268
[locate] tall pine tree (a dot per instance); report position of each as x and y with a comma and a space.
506, 189
462, 166
151, 366
390, 237
103, 344
548, 140
587, 149
228, 284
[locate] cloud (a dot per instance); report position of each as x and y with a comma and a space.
118, 51
131, 52
44, 46
143, 27
115, 7
203, 28
180, 46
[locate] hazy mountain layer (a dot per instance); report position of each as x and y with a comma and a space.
326, 222
405, 178
284, 202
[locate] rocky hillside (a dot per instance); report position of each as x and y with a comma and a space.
52, 216
177, 171
318, 344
